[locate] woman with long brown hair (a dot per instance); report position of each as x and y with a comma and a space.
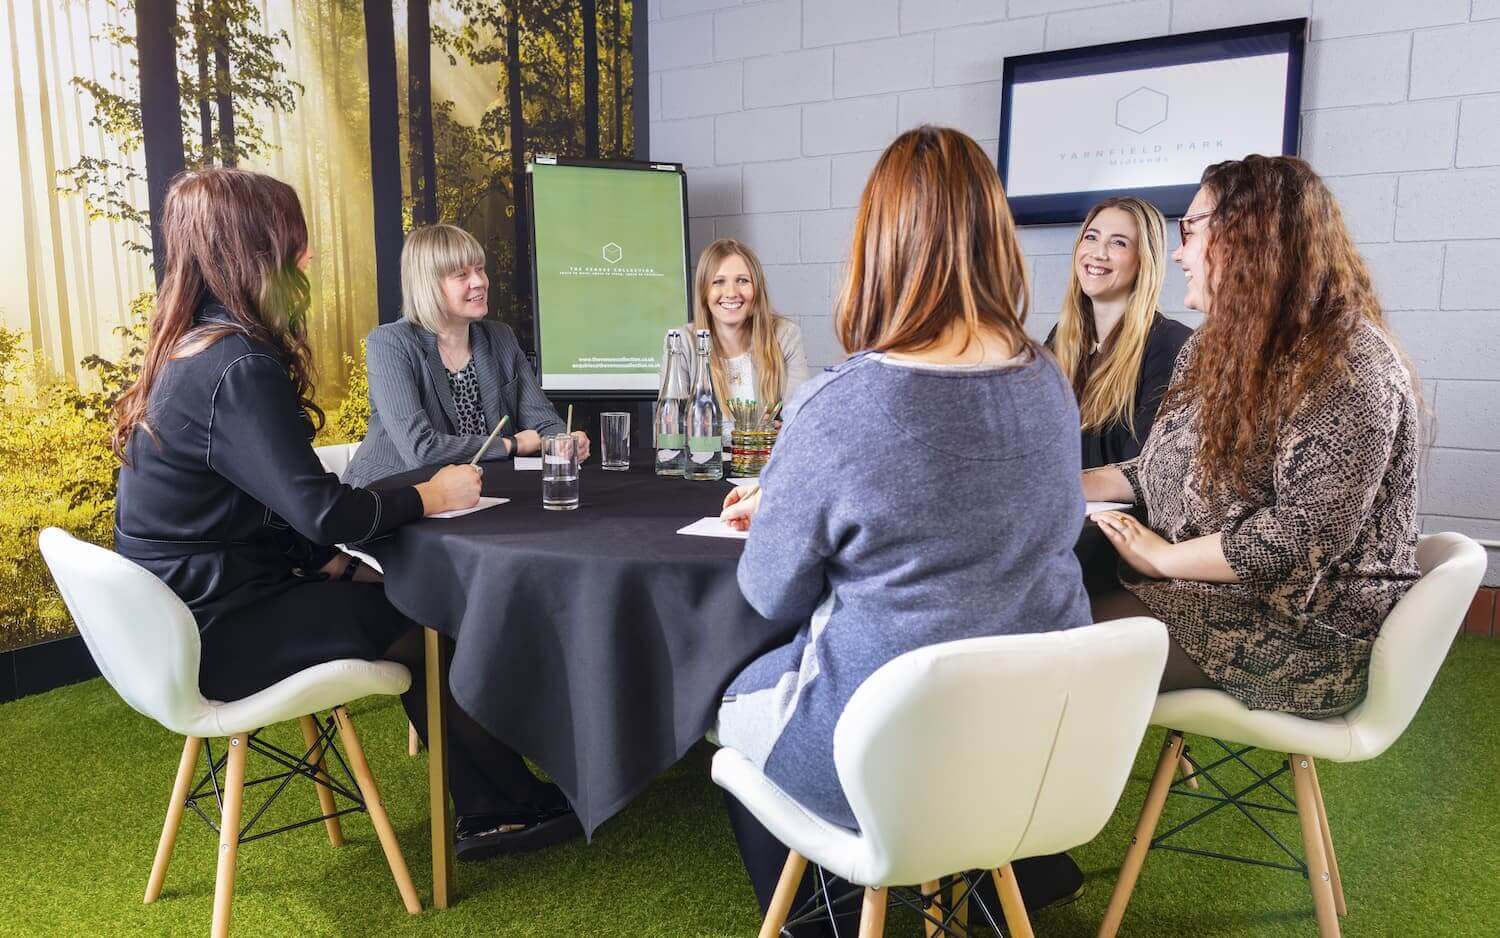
1280, 479
1111, 339
924, 491
222, 497
754, 354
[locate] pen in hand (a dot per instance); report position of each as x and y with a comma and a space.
487, 443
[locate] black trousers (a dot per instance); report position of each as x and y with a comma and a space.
318, 621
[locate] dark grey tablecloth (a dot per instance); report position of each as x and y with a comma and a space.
597, 642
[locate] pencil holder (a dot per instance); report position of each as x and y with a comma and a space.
749, 450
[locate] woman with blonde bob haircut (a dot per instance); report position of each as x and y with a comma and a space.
1112, 340
924, 491
444, 376
756, 355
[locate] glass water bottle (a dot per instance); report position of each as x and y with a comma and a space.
705, 421
671, 410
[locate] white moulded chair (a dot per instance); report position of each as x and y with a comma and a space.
1408, 652
146, 644
1069, 710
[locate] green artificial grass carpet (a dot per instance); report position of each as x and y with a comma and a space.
84, 781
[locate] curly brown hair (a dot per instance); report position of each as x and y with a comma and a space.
1288, 291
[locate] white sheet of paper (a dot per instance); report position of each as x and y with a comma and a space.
527, 463
712, 527
1090, 508
737, 481
484, 502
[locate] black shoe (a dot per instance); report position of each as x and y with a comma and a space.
482, 836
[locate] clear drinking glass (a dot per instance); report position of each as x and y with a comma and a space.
614, 438
559, 473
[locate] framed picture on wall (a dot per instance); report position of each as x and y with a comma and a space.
1144, 118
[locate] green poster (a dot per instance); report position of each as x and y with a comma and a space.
611, 274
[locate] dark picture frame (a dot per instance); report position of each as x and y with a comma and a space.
1214, 45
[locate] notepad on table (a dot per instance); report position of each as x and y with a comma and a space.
1091, 508
528, 463
712, 527
484, 502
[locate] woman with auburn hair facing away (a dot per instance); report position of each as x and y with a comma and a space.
443, 377
222, 497
1280, 480
1112, 341
756, 355
876, 519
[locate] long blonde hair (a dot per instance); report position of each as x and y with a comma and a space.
765, 348
1107, 395
934, 243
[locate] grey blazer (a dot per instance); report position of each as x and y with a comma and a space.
412, 417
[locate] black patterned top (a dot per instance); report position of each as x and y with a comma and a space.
465, 386
1324, 546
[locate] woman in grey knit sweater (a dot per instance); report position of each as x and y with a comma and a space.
927, 490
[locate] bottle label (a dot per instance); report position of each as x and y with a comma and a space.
670, 440
703, 449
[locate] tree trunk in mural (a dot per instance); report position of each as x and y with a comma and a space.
385, 155
54, 220
161, 125
521, 262
28, 205
199, 19
223, 89
420, 156
114, 233
616, 138
83, 242
336, 186
590, 79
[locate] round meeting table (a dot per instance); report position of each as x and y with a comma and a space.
596, 641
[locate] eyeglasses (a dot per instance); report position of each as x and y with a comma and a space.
1182, 224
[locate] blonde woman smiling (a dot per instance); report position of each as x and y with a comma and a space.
443, 376
756, 355
1112, 341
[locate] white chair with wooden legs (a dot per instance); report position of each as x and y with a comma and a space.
1408, 652
146, 644
1061, 715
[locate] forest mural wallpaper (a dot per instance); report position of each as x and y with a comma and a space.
382, 115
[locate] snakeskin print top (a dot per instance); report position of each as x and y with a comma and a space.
1324, 546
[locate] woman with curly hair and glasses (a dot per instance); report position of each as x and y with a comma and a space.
1280, 479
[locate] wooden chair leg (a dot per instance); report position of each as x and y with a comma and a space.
1312, 844
439, 805
413, 739
1185, 770
325, 795
1333, 860
186, 767
934, 889
371, 793
229, 832
1140, 844
959, 903
872, 913
786, 892
1017, 922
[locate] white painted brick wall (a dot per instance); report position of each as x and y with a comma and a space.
781, 107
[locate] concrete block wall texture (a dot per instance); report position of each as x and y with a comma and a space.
779, 109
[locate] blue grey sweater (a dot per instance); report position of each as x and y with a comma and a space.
905, 505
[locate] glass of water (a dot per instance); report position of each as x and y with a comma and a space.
614, 436
559, 473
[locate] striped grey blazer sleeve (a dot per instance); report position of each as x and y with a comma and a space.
535, 411
396, 374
